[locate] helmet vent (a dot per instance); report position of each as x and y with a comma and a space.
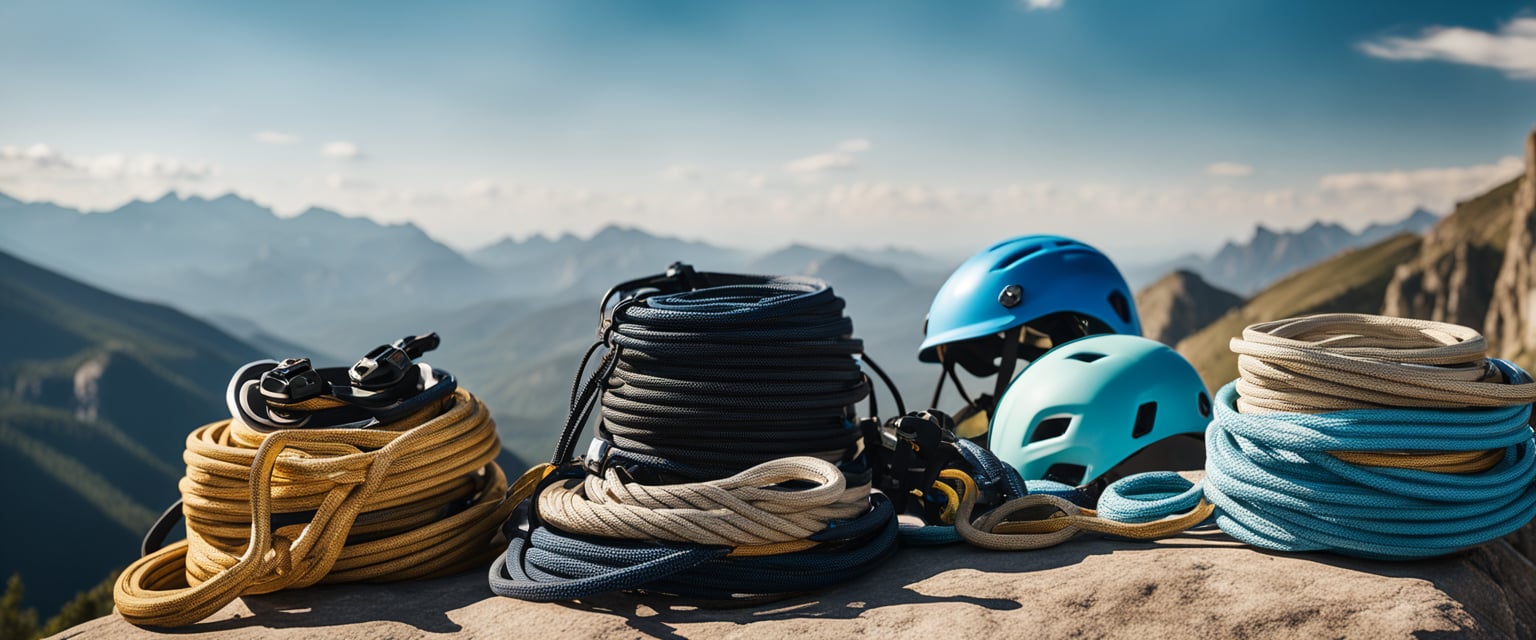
1146, 416
1051, 428
1205, 405
1085, 356
1069, 474
1121, 306
1016, 257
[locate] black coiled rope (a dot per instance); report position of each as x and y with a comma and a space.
710, 382
705, 376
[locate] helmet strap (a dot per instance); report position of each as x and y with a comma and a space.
948, 371
1005, 367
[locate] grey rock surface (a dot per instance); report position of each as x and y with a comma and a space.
1197, 586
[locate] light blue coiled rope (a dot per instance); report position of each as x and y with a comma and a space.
1275, 485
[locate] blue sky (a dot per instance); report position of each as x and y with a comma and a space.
1147, 127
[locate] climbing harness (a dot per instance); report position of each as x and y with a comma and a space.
726, 462
1012, 302
1331, 447
380, 471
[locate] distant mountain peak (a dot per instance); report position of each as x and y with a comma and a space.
1180, 304
617, 230
840, 268
319, 212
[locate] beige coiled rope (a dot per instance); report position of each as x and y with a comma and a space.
1338, 361
377, 496
748, 508
1057, 520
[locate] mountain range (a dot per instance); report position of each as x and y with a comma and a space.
515, 315
97, 394
1247, 267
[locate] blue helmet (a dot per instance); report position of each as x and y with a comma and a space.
1024, 280
1057, 288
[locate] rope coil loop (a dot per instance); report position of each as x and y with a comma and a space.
416, 496
726, 461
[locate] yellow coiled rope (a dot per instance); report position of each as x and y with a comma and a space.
417, 498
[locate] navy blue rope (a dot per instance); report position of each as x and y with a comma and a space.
554, 565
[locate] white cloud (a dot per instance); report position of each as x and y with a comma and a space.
855, 145
341, 182
819, 163
105, 166
841, 157
1229, 169
681, 173
1039, 5
37, 156
483, 188
1511, 49
341, 149
276, 137
1441, 184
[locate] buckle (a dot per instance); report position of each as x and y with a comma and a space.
522, 522
684, 273
925, 432
388, 365
596, 460
293, 380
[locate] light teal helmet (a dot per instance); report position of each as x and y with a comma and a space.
1086, 406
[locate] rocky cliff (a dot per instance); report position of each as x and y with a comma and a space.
1179, 304
1511, 321
1476, 267
1452, 278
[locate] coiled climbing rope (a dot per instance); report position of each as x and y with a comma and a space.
711, 381
1362, 435
726, 459
1338, 361
416, 496
743, 509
